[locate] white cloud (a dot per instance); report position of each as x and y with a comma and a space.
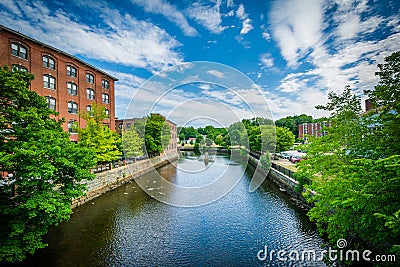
207, 16
348, 19
240, 12
170, 12
349, 28
216, 73
346, 55
267, 60
204, 86
293, 82
266, 36
297, 27
230, 13
229, 3
123, 40
246, 26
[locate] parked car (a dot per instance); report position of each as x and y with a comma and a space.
285, 155
295, 159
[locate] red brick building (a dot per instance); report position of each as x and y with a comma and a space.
316, 129
124, 124
69, 84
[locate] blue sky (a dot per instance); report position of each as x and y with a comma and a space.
295, 51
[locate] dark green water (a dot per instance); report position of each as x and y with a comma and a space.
126, 227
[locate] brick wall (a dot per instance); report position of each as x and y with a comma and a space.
34, 64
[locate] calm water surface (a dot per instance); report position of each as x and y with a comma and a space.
126, 227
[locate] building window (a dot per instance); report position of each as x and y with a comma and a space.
128, 126
49, 82
16, 67
107, 112
105, 84
72, 126
51, 102
89, 78
72, 107
72, 88
90, 93
105, 98
89, 110
48, 62
71, 71
19, 50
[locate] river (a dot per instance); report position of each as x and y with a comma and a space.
127, 227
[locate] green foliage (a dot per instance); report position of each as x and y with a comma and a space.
265, 160
355, 172
292, 122
386, 97
187, 132
132, 143
219, 139
284, 139
268, 138
238, 134
254, 133
98, 137
157, 134
196, 148
46, 166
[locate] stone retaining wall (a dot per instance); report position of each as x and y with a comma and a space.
284, 182
109, 180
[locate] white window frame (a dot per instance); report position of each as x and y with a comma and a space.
72, 107
49, 82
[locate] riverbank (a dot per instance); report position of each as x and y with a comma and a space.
111, 179
128, 227
286, 183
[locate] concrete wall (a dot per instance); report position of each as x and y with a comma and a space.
109, 180
284, 182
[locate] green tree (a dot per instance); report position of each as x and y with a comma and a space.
47, 168
265, 160
196, 148
98, 137
219, 139
268, 138
357, 187
284, 139
132, 143
187, 132
237, 132
386, 97
254, 134
292, 122
140, 126
157, 134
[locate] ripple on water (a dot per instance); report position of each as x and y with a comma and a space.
134, 229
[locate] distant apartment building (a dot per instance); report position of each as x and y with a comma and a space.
315, 129
69, 84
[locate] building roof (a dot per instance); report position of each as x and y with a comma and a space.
55, 49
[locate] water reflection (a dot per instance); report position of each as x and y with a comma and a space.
127, 227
